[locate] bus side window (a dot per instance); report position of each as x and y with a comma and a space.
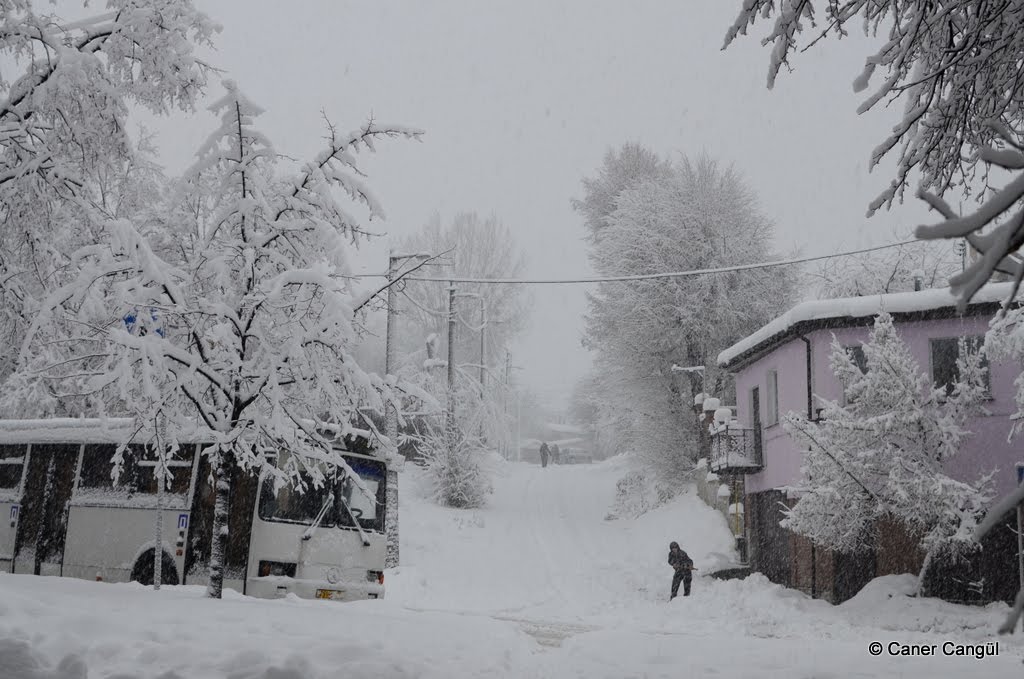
98, 467
143, 464
12, 459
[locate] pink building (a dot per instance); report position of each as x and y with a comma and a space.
784, 367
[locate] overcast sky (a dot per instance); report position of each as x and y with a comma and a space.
521, 99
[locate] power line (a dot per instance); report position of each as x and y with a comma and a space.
651, 276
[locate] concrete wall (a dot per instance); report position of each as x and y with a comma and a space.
715, 492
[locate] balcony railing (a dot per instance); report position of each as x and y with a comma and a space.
735, 449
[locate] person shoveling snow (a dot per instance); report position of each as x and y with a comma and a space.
683, 565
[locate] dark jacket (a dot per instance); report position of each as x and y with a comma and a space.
680, 560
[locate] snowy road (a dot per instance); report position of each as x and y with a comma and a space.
538, 584
544, 550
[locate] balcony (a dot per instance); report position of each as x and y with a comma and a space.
735, 449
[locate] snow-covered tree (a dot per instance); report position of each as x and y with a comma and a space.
469, 246
691, 215
894, 270
453, 428
66, 160
882, 453
1005, 342
457, 459
622, 169
247, 333
956, 68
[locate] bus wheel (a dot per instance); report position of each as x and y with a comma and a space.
142, 572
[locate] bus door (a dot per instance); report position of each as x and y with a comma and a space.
42, 523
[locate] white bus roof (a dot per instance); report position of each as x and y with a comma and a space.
69, 430
87, 430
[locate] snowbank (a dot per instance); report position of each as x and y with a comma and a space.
536, 585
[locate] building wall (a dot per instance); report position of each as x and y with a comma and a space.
786, 558
897, 549
987, 449
781, 461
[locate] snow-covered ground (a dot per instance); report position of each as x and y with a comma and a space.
538, 584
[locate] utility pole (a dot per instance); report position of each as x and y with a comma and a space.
508, 372
483, 334
391, 410
390, 414
394, 260
519, 432
450, 415
391, 423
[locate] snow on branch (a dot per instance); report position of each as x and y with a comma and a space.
245, 323
957, 68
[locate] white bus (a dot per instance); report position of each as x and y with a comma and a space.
67, 518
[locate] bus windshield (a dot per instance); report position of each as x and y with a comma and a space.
289, 505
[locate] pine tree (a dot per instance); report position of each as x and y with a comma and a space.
882, 453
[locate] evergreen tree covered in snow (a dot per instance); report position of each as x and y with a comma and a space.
1005, 342
957, 69
457, 460
675, 217
453, 430
882, 454
247, 333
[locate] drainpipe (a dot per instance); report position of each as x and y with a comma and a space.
810, 417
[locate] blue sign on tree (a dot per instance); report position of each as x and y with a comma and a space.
131, 318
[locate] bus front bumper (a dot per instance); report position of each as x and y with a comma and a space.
276, 587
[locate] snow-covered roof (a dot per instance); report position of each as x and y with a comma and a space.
66, 430
859, 307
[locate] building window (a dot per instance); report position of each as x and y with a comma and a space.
944, 354
856, 355
772, 406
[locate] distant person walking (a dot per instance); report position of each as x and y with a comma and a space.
683, 565
544, 452
555, 454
